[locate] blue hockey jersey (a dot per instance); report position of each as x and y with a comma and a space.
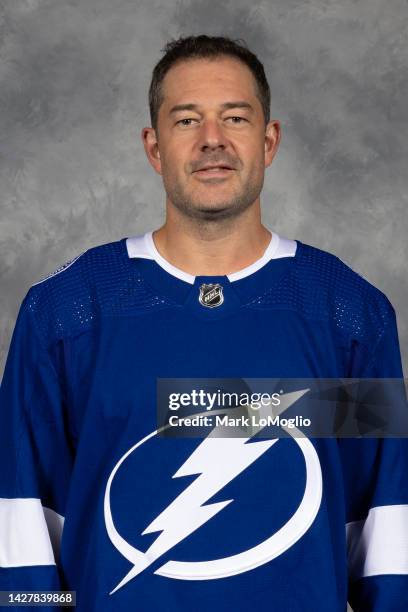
93, 500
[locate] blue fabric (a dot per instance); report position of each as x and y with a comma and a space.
79, 391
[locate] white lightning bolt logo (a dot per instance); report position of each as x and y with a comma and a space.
216, 461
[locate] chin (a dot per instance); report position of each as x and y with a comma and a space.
214, 213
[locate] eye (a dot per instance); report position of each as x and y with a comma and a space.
186, 119
237, 117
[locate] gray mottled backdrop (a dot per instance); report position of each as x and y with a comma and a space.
74, 76
73, 92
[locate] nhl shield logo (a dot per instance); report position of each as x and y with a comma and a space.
211, 295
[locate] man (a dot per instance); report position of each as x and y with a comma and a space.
152, 523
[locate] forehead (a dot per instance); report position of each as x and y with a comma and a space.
208, 80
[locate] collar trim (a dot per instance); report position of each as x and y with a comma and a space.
143, 246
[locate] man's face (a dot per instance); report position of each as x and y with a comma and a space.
223, 126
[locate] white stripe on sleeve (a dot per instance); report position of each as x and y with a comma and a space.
379, 544
30, 534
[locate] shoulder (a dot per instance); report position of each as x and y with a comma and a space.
336, 291
69, 299
335, 277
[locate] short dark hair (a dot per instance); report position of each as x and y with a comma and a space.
203, 46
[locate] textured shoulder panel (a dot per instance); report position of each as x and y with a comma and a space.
322, 287
100, 281
359, 309
61, 301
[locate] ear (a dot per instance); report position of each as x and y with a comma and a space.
151, 147
272, 140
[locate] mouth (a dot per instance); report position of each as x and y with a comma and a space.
218, 171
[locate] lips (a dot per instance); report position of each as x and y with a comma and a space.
214, 169
213, 173
211, 167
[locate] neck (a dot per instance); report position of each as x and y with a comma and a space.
212, 248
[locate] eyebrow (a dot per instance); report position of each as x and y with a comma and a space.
224, 106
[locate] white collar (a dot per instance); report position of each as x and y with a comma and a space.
143, 246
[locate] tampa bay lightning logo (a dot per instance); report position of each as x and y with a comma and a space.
216, 461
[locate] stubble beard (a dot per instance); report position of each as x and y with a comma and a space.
215, 211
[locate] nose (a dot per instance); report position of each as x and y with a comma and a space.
211, 136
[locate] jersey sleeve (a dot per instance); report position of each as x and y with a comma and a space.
36, 457
376, 490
